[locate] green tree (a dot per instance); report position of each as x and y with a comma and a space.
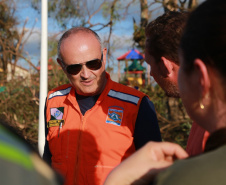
18, 102
8, 34
12, 40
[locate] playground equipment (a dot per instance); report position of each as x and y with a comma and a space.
135, 72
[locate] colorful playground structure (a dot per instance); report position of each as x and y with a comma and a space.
135, 72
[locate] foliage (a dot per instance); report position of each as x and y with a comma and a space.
8, 34
173, 120
19, 103
11, 39
19, 106
56, 76
107, 8
145, 15
62, 11
71, 13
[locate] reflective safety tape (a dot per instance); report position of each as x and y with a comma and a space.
124, 97
62, 92
14, 155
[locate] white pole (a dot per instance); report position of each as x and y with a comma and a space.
43, 76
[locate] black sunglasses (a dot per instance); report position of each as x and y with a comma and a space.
74, 69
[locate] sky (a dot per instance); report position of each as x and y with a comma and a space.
122, 30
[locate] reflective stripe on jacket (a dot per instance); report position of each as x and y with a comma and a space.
86, 148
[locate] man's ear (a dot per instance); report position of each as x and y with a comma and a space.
166, 67
104, 56
203, 75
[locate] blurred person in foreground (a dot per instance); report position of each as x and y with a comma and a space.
20, 164
161, 53
93, 122
202, 77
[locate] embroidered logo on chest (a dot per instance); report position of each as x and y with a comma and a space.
56, 117
57, 113
115, 115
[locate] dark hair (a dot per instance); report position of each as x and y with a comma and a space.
205, 36
163, 35
75, 30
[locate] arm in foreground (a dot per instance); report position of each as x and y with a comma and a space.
142, 166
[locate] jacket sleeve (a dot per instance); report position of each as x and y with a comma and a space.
47, 154
146, 126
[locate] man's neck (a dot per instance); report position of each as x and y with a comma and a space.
86, 102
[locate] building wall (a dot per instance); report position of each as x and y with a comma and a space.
20, 73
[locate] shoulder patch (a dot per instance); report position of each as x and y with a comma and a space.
115, 115
62, 92
124, 97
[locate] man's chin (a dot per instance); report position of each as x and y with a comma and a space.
171, 90
172, 94
87, 92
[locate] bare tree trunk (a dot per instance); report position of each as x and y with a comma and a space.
144, 13
139, 35
170, 5
192, 4
143, 23
110, 31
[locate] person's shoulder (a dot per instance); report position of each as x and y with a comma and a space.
126, 89
61, 91
205, 169
19, 157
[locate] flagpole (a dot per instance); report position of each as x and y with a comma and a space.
43, 75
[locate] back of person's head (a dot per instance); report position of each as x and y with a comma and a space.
163, 35
205, 36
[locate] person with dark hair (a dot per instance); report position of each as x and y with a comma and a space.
161, 52
20, 163
93, 123
161, 49
201, 80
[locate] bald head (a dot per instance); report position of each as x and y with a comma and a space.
77, 47
79, 31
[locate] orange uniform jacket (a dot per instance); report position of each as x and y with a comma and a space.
86, 148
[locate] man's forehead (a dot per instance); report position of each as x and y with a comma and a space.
80, 38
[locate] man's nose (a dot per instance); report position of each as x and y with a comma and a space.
84, 71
